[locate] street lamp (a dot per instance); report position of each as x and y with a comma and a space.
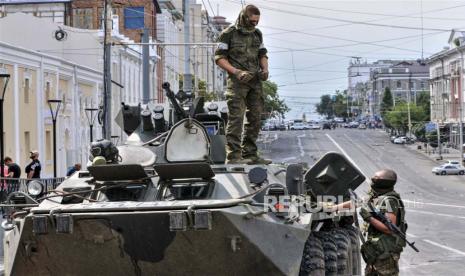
91, 119
54, 106
5, 78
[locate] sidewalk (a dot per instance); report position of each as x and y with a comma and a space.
431, 153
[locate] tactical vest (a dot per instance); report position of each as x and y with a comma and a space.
380, 245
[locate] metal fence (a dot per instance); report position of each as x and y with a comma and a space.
9, 185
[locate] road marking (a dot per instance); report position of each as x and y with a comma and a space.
436, 214
434, 204
445, 247
299, 143
346, 155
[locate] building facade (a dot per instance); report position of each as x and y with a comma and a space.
446, 82
57, 11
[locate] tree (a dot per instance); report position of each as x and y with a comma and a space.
386, 103
209, 96
325, 106
274, 106
423, 101
397, 118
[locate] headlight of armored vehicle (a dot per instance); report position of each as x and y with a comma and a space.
35, 188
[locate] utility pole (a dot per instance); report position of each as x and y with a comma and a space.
107, 71
461, 107
145, 67
187, 85
196, 72
408, 106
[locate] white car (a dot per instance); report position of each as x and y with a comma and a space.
298, 126
314, 126
448, 169
400, 140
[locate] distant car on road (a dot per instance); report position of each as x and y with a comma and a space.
298, 126
315, 126
362, 126
449, 169
326, 126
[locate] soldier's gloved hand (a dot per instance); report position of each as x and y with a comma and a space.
244, 76
365, 213
264, 75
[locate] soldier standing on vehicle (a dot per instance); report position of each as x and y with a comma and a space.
242, 54
382, 249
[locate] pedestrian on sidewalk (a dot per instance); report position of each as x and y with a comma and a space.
33, 169
14, 171
242, 54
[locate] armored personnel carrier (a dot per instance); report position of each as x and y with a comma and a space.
164, 203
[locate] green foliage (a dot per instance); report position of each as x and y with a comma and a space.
398, 117
274, 106
207, 95
335, 105
387, 102
423, 100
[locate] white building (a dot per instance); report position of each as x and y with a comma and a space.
70, 69
447, 84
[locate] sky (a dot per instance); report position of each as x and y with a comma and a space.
310, 43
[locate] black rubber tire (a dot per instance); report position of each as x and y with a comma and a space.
313, 258
344, 251
356, 255
443, 173
461, 172
330, 252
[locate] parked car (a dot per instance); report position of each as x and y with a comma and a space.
315, 126
362, 126
452, 162
449, 169
400, 140
298, 126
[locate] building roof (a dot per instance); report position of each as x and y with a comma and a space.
19, 2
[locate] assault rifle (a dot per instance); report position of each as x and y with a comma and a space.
386, 221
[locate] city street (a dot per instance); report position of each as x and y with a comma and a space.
435, 204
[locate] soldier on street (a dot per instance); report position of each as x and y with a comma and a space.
242, 54
382, 249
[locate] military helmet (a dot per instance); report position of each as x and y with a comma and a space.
384, 180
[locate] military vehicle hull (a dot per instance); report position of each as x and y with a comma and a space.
142, 243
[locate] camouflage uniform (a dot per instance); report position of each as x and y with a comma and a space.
385, 249
243, 49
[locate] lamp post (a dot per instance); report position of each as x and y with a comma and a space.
91, 119
54, 106
5, 78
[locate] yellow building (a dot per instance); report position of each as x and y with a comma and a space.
36, 78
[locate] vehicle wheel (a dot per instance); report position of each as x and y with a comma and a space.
461, 172
356, 256
330, 252
344, 251
313, 258
437, 174
443, 173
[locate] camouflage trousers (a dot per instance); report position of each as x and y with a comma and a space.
243, 99
385, 267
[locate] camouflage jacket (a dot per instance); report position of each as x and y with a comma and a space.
242, 49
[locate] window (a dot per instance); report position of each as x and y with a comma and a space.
134, 17
48, 145
27, 141
47, 92
382, 84
83, 18
26, 90
399, 84
422, 85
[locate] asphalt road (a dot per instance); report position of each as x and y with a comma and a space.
435, 205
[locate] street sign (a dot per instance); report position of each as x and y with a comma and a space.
430, 127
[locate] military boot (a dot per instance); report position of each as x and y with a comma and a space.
256, 160
242, 161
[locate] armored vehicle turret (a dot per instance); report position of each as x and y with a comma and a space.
164, 203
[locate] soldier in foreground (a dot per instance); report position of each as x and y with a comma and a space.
242, 54
384, 216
